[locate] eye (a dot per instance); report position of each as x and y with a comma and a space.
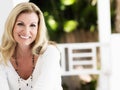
32, 25
20, 24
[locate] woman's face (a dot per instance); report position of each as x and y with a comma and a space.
25, 29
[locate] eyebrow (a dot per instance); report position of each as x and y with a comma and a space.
19, 21
23, 22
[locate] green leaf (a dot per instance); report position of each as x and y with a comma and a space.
52, 23
70, 25
68, 2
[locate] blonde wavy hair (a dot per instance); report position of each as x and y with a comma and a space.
8, 43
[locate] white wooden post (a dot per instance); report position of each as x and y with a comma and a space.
115, 53
104, 28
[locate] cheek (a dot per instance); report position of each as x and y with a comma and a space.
14, 33
35, 34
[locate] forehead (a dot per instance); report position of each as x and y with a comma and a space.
27, 16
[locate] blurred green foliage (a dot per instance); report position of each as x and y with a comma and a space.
65, 16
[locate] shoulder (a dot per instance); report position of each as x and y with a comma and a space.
2, 64
51, 52
52, 49
2, 69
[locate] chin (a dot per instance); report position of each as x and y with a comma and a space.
24, 44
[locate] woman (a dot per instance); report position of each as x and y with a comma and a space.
28, 60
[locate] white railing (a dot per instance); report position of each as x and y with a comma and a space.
82, 58
79, 55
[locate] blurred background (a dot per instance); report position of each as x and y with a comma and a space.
70, 21
75, 21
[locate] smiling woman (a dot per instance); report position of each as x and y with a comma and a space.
29, 61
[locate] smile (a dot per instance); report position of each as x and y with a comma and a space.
25, 37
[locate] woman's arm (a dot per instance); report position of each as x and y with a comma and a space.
50, 77
3, 79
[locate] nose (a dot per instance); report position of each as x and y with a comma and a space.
26, 30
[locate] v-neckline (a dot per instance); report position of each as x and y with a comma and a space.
30, 75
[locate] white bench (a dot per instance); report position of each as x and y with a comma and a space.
79, 58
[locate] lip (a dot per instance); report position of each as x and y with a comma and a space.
25, 37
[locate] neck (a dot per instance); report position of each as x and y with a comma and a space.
23, 51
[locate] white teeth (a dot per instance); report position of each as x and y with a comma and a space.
24, 37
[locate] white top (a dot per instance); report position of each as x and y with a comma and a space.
46, 75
